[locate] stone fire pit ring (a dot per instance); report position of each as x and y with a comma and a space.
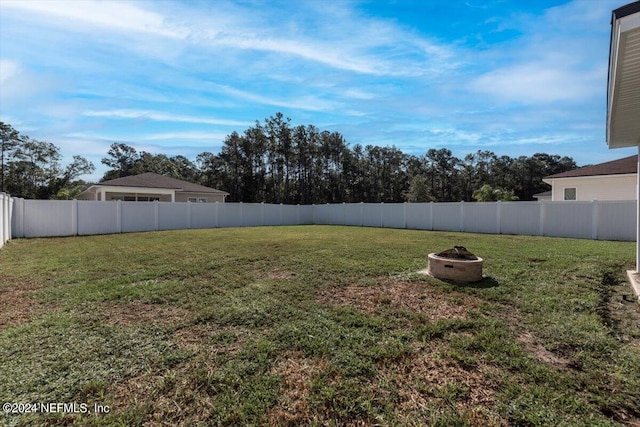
458, 266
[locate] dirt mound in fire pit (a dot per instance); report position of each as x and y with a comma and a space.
458, 252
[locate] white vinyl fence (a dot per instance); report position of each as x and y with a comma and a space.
608, 220
6, 208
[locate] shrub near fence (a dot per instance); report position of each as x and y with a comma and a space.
607, 220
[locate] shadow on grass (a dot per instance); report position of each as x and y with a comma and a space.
485, 283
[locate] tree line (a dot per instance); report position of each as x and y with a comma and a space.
276, 162
32, 169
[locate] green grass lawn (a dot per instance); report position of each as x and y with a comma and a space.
315, 325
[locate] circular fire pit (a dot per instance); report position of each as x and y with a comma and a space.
457, 264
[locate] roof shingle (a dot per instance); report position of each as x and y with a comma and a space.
153, 180
628, 165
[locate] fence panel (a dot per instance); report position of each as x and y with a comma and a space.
353, 214
173, 216
616, 220
230, 214
289, 215
419, 216
204, 215
251, 214
305, 214
98, 217
48, 218
321, 214
447, 216
17, 218
393, 215
271, 214
520, 218
5, 218
139, 216
568, 219
336, 213
372, 215
481, 217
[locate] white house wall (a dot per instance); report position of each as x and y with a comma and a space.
590, 188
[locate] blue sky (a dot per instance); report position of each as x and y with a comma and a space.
514, 77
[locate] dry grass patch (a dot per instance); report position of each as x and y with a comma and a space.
18, 307
293, 407
427, 379
137, 312
200, 337
280, 275
166, 398
395, 295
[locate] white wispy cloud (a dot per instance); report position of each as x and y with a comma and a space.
195, 135
547, 63
357, 44
8, 70
539, 82
163, 117
113, 14
303, 102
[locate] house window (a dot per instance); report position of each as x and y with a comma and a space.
141, 198
570, 193
197, 199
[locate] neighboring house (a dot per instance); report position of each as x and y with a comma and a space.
148, 187
544, 196
614, 180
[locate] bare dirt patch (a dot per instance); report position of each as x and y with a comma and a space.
399, 295
426, 380
293, 408
137, 312
17, 307
541, 353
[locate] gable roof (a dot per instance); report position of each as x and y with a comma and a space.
628, 165
153, 180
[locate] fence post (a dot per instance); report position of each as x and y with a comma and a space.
361, 214
11, 202
5, 225
543, 214
498, 217
431, 216
156, 215
381, 214
594, 219
3, 219
188, 215
462, 216
118, 215
241, 215
298, 214
74, 217
281, 214
217, 211
262, 214
404, 215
